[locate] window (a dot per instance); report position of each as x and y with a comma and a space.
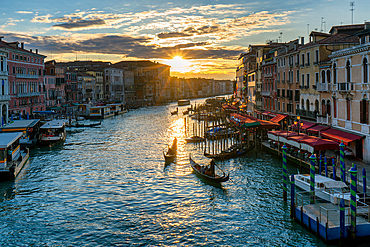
323, 76
348, 104
328, 108
348, 71
323, 107
365, 71
297, 58
302, 62
317, 56
297, 75
302, 82
328, 76
308, 58
317, 77
364, 111
335, 107
335, 73
308, 81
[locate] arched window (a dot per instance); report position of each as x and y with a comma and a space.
328, 108
365, 70
328, 76
307, 105
364, 111
348, 70
323, 76
302, 104
316, 105
323, 107
335, 73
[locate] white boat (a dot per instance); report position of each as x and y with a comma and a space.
325, 188
12, 158
53, 131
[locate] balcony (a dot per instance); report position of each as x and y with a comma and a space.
305, 113
23, 95
3, 73
308, 64
266, 93
322, 87
297, 64
302, 65
4, 97
323, 119
343, 87
27, 76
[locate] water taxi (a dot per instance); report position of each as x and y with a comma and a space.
326, 188
29, 128
12, 158
53, 131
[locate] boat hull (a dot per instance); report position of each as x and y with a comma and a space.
216, 179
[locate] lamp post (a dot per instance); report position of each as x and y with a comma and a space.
298, 122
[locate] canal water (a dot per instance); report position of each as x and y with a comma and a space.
108, 186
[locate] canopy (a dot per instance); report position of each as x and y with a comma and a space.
306, 125
45, 112
229, 107
268, 113
251, 124
278, 118
339, 136
251, 121
320, 144
316, 129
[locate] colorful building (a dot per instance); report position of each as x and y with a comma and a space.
25, 77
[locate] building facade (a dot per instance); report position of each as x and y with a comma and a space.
4, 88
25, 78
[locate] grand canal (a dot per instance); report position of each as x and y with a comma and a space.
108, 186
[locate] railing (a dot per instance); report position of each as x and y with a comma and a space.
4, 97
323, 119
308, 64
27, 76
305, 113
297, 64
266, 93
3, 72
322, 87
20, 95
343, 86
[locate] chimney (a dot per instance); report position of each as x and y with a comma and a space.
22, 45
30, 50
1, 37
367, 25
37, 51
302, 40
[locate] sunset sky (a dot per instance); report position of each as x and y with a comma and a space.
204, 37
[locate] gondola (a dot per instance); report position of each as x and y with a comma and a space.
78, 125
214, 179
194, 139
228, 154
170, 155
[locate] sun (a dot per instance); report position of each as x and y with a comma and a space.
179, 64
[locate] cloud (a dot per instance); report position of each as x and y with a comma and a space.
80, 24
24, 12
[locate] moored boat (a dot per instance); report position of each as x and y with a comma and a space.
193, 139
326, 188
53, 131
12, 158
207, 172
232, 152
29, 128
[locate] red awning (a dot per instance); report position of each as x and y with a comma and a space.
318, 128
320, 144
278, 118
297, 138
306, 125
229, 107
268, 113
339, 136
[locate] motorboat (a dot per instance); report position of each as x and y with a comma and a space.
325, 188
53, 131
